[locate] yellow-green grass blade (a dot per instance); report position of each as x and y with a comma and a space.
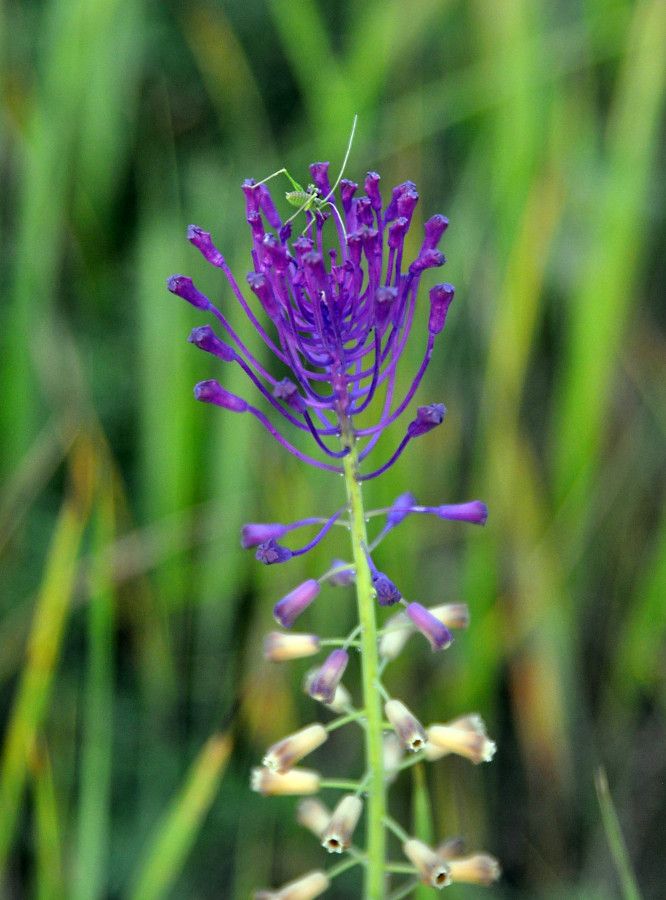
51, 609
48, 827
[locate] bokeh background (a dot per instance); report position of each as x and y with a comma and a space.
133, 691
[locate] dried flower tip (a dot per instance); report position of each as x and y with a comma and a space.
327, 679
279, 647
254, 534
290, 607
392, 752
396, 632
437, 633
307, 887
338, 833
434, 870
453, 615
282, 756
479, 868
455, 738
408, 728
451, 848
313, 815
297, 781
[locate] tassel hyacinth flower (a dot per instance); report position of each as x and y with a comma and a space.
338, 320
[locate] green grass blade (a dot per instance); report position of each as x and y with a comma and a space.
97, 725
32, 695
178, 829
614, 837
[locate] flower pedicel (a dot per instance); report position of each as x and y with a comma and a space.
339, 321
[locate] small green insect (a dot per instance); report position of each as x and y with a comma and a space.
310, 199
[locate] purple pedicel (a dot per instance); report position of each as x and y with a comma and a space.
290, 607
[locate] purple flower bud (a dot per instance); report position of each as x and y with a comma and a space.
329, 676
438, 634
252, 535
407, 203
397, 232
427, 418
441, 296
475, 511
201, 240
261, 286
392, 209
205, 338
387, 592
290, 607
182, 286
212, 392
372, 190
267, 206
385, 298
427, 259
347, 190
434, 229
271, 552
276, 253
400, 509
319, 172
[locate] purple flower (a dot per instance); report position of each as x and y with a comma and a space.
338, 320
290, 607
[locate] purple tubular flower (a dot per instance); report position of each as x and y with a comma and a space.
339, 320
438, 634
427, 418
211, 392
440, 300
290, 607
475, 512
328, 678
205, 339
182, 286
254, 534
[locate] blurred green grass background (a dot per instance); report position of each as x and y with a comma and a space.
134, 696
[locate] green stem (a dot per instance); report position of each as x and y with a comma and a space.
372, 700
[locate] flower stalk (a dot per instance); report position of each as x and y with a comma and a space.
372, 699
339, 321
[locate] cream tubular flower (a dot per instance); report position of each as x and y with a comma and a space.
313, 815
408, 728
478, 868
279, 647
297, 781
281, 757
465, 736
307, 887
396, 632
338, 833
434, 870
